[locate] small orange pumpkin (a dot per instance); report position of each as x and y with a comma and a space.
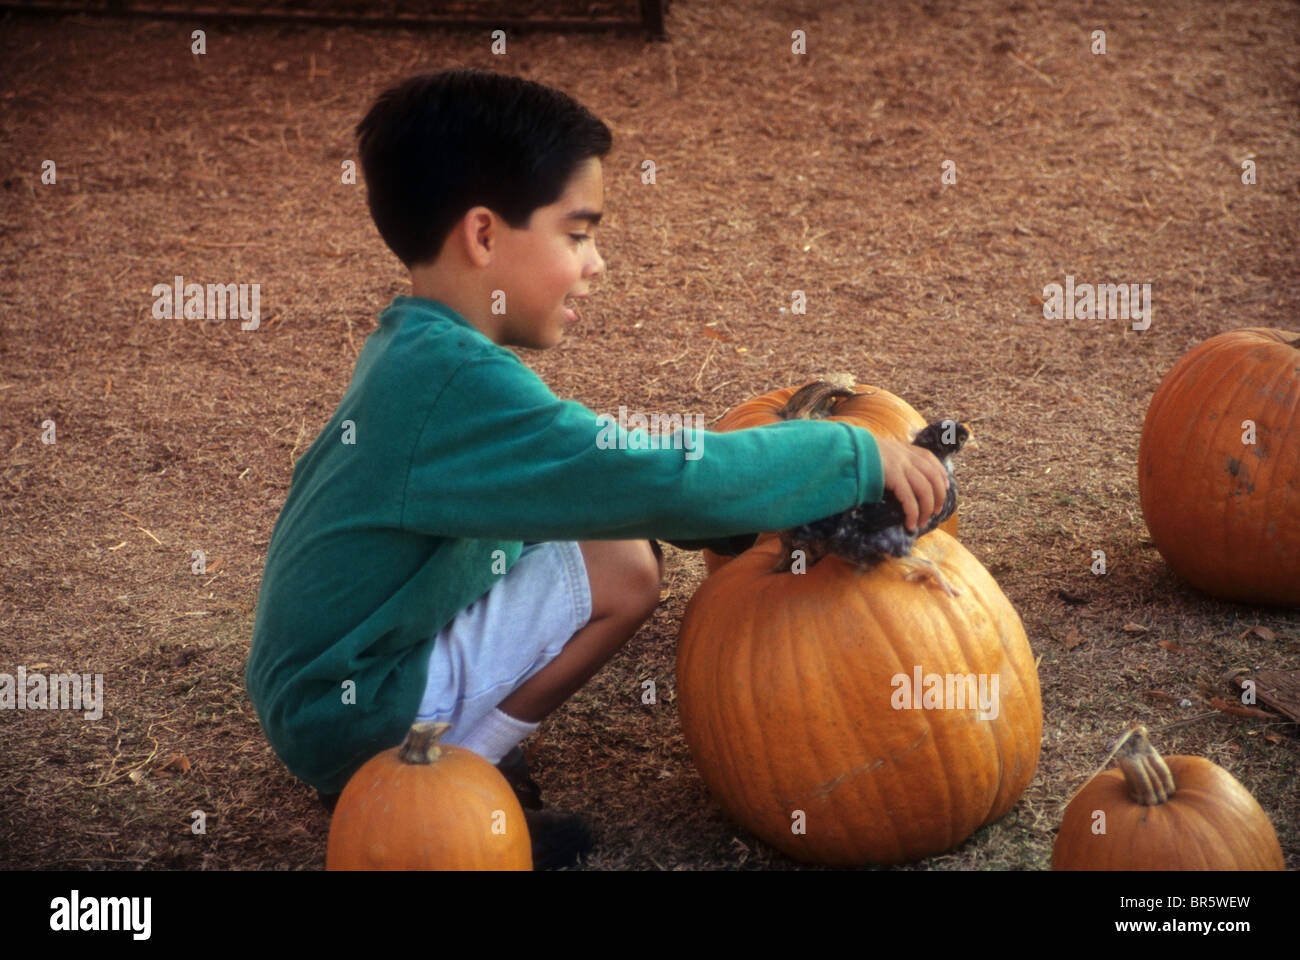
428, 806
1164, 813
877, 410
1219, 466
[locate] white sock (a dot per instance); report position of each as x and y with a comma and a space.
496, 735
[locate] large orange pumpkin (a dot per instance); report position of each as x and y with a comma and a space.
1164, 813
428, 806
877, 410
1225, 511
788, 686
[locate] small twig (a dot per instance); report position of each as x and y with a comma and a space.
1179, 723
139, 526
302, 428
1033, 69
699, 374
814, 238
128, 771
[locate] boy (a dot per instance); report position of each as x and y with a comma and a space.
455, 544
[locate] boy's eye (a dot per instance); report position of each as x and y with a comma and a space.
580, 236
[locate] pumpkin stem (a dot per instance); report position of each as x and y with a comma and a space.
817, 400
1149, 781
421, 743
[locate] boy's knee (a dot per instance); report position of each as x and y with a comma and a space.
624, 577
641, 579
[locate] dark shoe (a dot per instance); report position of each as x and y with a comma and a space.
514, 767
558, 839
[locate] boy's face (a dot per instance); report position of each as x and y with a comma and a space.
553, 258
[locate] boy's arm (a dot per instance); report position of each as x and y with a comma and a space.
913, 475
500, 456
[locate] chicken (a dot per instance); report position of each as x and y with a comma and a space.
868, 533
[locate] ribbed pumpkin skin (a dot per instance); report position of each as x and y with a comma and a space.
784, 688
1210, 823
401, 816
1226, 515
880, 411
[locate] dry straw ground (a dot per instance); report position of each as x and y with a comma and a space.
775, 172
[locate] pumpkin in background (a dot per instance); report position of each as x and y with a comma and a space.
787, 684
1164, 813
878, 411
1224, 512
428, 806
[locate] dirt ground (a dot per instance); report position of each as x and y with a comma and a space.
775, 172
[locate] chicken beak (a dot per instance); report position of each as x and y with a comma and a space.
971, 442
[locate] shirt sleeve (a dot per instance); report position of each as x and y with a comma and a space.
500, 456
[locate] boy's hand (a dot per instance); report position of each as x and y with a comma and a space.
916, 478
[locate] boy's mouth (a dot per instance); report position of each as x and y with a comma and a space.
570, 314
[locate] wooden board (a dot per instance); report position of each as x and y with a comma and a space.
576, 15
1277, 690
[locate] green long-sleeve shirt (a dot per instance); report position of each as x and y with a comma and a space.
446, 453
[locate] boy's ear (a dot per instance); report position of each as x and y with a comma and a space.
477, 232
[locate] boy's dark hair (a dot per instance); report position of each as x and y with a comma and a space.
436, 145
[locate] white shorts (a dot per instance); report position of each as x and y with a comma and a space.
506, 636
